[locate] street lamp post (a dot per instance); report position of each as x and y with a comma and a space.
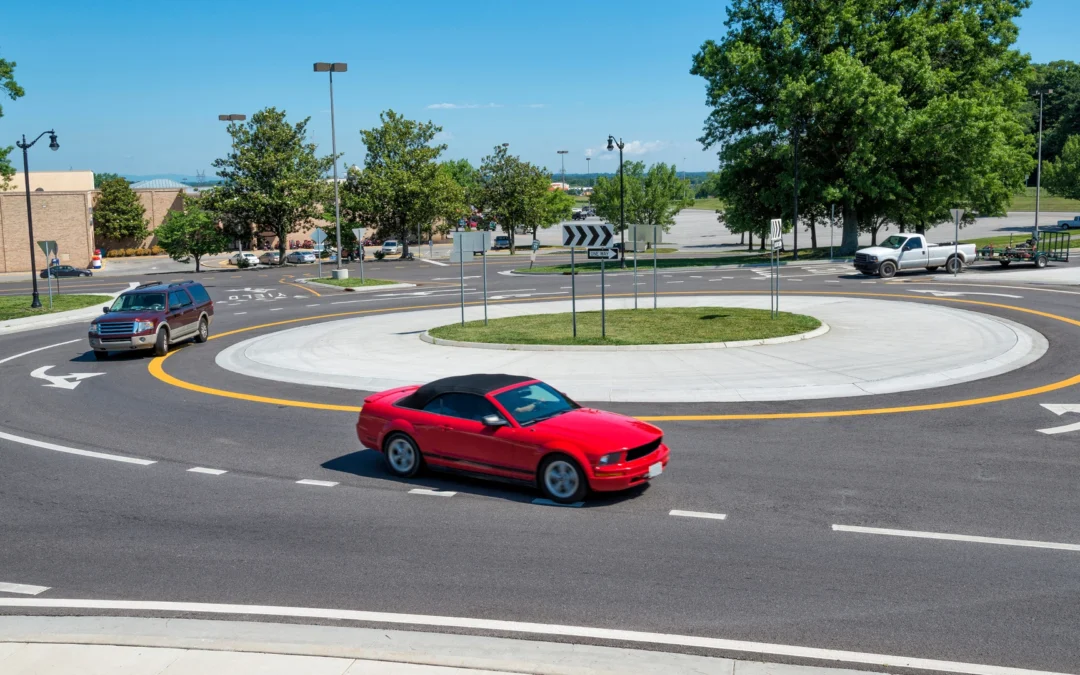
236, 118
35, 303
799, 127
588, 169
340, 68
611, 145
1038, 170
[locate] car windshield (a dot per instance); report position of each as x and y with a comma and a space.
139, 301
390, 243
894, 241
533, 403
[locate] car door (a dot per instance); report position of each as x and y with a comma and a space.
180, 316
913, 254
476, 446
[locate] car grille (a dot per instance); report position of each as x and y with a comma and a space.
862, 259
643, 450
116, 328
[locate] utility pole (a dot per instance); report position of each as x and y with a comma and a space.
1038, 170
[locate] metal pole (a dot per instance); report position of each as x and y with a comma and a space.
956, 242
772, 281
634, 239
603, 314
622, 205
461, 259
337, 201
795, 220
832, 226
484, 256
573, 292
654, 267
35, 303
1038, 170
48, 256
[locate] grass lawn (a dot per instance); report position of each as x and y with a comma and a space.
354, 282
678, 325
645, 262
18, 306
1025, 201
1015, 240
710, 203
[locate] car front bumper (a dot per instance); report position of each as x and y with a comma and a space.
869, 268
120, 343
628, 475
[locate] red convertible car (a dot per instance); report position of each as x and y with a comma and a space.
510, 428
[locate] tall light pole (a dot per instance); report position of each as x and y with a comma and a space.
562, 158
340, 68
1038, 170
798, 132
611, 145
236, 118
588, 169
35, 303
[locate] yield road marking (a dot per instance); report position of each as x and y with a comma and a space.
39, 349
524, 628
75, 451
317, 483
61, 381
23, 589
203, 469
431, 493
1061, 409
956, 537
698, 514
957, 294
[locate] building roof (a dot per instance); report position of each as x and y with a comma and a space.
159, 184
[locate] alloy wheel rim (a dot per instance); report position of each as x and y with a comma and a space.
561, 479
402, 455
202, 329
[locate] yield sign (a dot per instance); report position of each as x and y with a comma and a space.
1061, 409
61, 381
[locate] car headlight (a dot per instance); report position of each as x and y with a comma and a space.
873, 258
610, 459
140, 326
94, 329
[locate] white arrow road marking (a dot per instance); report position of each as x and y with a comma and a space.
957, 294
1061, 409
61, 381
24, 589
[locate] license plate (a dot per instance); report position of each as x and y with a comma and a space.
656, 469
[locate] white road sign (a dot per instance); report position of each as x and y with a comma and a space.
318, 236
599, 234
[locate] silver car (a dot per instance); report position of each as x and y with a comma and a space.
391, 247
300, 257
270, 258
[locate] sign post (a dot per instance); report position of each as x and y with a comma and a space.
832, 227
633, 238
318, 236
532, 255
654, 267
957, 214
359, 234
51, 250
776, 243
471, 242
590, 236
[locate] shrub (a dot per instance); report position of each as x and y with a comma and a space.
114, 253
157, 250
380, 254
129, 251
141, 252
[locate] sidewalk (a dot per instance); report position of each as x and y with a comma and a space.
144, 646
56, 318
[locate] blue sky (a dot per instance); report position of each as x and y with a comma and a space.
136, 87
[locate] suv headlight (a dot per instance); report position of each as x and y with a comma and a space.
141, 326
94, 328
610, 459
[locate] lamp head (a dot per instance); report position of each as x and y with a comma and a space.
322, 67
53, 145
610, 143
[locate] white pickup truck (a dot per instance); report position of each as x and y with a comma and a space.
1068, 224
911, 251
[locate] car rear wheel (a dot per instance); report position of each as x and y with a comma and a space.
161, 344
403, 458
887, 269
562, 480
204, 331
954, 265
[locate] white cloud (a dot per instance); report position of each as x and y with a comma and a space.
444, 136
535, 105
462, 106
631, 148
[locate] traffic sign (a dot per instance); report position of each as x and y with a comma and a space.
602, 253
587, 235
777, 244
358, 233
48, 247
318, 236
957, 214
535, 244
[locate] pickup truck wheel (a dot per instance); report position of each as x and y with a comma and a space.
161, 345
953, 265
887, 269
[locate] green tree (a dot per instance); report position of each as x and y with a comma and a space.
1061, 110
191, 234
100, 178
1062, 176
273, 178
11, 88
118, 213
894, 96
545, 207
512, 192
400, 188
467, 178
653, 197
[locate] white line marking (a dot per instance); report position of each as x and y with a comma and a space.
24, 589
613, 634
433, 262
39, 349
548, 502
1060, 430
454, 278
75, 451
315, 305
674, 282
698, 514
238, 313
869, 282
203, 469
831, 281
277, 309
693, 277
319, 483
956, 537
431, 493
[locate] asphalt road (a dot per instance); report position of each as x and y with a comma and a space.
774, 571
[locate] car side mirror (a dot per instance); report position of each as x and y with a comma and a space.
106, 309
493, 421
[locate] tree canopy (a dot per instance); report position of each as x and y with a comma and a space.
1062, 176
10, 88
118, 213
514, 192
904, 108
273, 178
100, 178
653, 196
190, 234
1061, 109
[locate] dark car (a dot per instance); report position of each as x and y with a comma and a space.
153, 316
65, 271
501, 242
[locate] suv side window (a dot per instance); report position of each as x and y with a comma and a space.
466, 406
199, 293
178, 300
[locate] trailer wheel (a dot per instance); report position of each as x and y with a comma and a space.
1004, 263
886, 269
1040, 261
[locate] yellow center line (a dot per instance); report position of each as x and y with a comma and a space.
156, 365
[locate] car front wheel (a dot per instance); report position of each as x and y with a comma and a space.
403, 458
562, 480
887, 269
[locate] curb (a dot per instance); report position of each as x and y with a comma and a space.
59, 318
817, 332
364, 289
809, 263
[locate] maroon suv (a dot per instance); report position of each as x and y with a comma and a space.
153, 316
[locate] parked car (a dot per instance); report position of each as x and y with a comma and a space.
501, 242
912, 251
1069, 224
300, 257
270, 258
250, 259
391, 247
153, 316
65, 271
511, 428
579, 214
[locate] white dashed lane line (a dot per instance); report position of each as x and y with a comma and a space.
698, 514
431, 493
74, 451
238, 313
203, 469
22, 589
317, 483
277, 309
956, 537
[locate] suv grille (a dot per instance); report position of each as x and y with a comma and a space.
862, 259
641, 451
116, 328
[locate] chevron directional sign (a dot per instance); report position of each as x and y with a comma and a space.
587, 235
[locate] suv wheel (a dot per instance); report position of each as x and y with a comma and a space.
161, 345
204, 331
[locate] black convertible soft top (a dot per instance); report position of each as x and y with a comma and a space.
465, 384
